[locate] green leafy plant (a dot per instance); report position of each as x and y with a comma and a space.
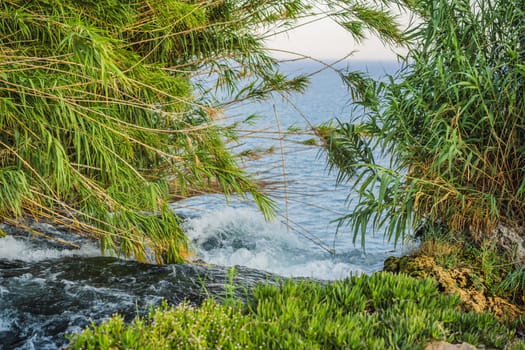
107, 109
210, 326
451, 121
361, 312
514, 283
99, 119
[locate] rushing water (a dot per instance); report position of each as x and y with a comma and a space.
47, 291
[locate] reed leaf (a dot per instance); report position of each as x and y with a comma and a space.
451, 119
105, 118
99, 119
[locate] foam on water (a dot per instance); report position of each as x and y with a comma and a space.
241, 236
21, 249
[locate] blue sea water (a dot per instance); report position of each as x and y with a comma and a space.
304, 239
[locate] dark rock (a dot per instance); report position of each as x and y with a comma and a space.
211, 243
391, 264
8, 339
43, 301
239, 244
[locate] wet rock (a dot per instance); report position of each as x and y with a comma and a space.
211, 243
220, 241
8, 339
239, 244
42, 301
461, 281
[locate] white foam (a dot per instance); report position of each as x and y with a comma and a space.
244, 223
265, 246
16, 249
328, 269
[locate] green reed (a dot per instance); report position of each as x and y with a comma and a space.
108, 108
100, 120
452, 120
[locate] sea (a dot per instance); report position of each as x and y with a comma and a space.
47, 292
305, 239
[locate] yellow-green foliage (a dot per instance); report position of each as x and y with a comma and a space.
101, 113
98, 117
381, 311
210, 326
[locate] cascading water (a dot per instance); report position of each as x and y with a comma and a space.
47, 292
231, 236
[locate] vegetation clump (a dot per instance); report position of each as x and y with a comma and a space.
452, 121
107, 108
381, 311
100, 117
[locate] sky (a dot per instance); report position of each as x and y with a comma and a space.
326, 40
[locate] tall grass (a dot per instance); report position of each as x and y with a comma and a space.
99, 119
453, 120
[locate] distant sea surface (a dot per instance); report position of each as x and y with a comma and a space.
303, 240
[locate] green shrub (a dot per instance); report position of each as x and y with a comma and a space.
210, 326
452, 120
361, 312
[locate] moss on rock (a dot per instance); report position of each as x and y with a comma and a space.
463, 281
